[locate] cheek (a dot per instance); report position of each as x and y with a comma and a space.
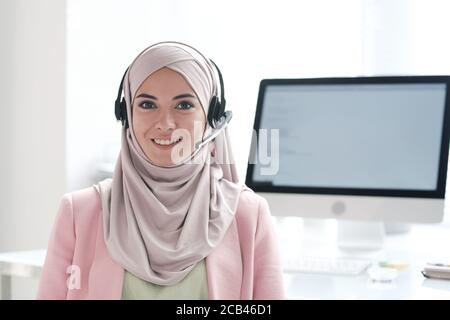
141, 123
197, 127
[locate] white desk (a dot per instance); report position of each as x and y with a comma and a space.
424, 243
20, 264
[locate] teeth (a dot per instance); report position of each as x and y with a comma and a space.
166, 142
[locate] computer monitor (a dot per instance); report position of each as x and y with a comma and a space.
363, 148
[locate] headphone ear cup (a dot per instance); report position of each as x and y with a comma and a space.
220, 109
123, 113
213, 111
118, 110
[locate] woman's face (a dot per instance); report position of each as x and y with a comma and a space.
165, 110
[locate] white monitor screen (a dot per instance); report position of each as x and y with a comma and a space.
367, 136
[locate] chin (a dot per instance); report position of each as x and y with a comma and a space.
163, 160
161, 163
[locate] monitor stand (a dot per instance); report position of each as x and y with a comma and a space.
360, 235
367, 235
394, 227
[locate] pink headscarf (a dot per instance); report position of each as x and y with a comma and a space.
160, 221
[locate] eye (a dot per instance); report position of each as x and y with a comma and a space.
146, 105
185, 106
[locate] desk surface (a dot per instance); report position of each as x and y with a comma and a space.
424, 243
22, 263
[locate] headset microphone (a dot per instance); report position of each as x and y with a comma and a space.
219, 127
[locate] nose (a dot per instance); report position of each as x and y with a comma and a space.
165, 121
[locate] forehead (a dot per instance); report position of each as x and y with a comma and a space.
167, 81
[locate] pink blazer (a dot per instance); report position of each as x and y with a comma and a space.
246, 265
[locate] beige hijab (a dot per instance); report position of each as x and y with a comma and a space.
160, 221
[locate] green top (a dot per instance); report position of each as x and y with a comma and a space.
193, 287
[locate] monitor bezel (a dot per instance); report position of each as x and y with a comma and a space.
438, 193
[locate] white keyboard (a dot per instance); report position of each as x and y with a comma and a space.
326, 265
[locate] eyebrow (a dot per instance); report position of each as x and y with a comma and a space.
184, 95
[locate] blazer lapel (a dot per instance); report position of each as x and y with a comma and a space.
224, 267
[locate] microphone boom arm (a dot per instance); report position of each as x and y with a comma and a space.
223, 123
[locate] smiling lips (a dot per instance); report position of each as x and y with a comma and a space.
165, 142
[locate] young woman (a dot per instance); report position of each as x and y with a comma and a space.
174, 222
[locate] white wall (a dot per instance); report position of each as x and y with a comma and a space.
405, 37
32, 130
387, 37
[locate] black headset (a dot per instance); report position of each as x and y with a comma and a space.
216, 109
